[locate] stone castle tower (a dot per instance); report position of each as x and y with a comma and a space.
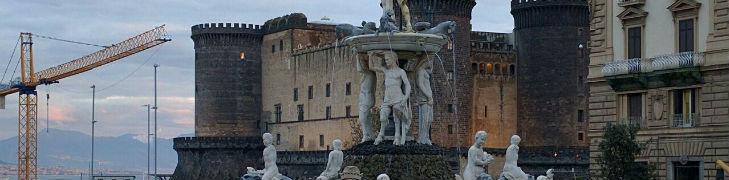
552, 60
449, 115
227, 79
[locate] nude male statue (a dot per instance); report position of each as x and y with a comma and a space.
366, 98
388, 8
396, 98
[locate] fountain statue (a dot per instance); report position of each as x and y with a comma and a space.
477, 159
425, 101
383, 177
388, 11
366, 98
397, 93
511, 170
549, 176
400, 54
336, 157
270, 171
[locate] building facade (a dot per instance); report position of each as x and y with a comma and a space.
662, 66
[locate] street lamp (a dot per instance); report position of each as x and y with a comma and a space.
93, 124
148, 134
155, 118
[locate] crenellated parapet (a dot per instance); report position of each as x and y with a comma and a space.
461, 8
226, 28
551, 13
492, 42
293, 20
225, 34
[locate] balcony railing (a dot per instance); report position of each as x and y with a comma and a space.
682, 121
658, 63
634, 121
623, 3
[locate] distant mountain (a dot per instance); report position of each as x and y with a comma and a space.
73, 149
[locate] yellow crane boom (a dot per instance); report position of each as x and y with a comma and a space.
107, 55
27, 100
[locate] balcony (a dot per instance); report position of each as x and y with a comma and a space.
660, 71
684, 121
633, 121
624, 3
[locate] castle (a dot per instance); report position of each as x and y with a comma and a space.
291, 77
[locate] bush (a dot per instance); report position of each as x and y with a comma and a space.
619, 150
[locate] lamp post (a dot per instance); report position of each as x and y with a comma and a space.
155, 118
93, 124
148, 134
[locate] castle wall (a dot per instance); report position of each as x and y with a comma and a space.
301, 65
227, 79
551, 86
493, 66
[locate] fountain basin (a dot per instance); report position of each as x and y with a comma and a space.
414, 42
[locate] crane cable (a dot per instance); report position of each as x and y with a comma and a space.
12, 55
116, 82
69, 41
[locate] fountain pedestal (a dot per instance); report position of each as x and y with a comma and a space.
408, 161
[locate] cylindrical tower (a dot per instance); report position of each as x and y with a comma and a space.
551, 39
227, 79
451, 117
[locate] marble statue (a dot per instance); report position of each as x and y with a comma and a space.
336, 157
270, 170
388, 9
549, 176
366, 98
387, 25
396, 98
446, 27
383, 177
425, 101
477, 159
511, 170
351, 30
351, 173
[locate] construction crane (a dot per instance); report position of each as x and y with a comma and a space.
29, 79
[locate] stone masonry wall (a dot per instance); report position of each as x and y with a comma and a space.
551, 85
227, 79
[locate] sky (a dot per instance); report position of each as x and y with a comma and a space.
124, 86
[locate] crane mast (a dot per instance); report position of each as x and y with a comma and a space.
27, 112
29, 79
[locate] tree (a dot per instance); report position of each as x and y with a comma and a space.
619, 150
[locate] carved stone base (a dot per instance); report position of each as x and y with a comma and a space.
409, 161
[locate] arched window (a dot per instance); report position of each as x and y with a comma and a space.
512, 69
482, 69
497, 69
474, 67
489, 68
